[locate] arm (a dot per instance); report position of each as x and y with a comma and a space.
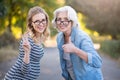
82, 54
25, 49
93, 58
85, 51
71, 48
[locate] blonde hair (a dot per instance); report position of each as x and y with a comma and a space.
33, 11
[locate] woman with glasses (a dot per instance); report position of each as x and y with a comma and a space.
78, 58
27, 66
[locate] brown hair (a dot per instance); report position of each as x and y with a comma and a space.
33, 11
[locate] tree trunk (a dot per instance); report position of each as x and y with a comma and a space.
10, 24
10, 17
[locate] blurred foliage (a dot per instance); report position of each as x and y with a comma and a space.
111, 47
101, 20
13, 15
8, 39
53, 31
102, 16
83, 25
14, 12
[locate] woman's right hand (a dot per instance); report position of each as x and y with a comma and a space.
26, 43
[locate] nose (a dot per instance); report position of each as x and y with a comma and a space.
62, 23
41, 24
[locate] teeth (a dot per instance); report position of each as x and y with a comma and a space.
40, 27
62, 27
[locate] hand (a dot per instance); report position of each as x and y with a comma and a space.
69, 47
26, 43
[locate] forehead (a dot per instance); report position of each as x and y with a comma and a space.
62, 14
38, 16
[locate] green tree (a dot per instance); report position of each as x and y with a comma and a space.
14, 9
13, 13
18, 9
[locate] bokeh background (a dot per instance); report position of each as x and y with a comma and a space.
99, 18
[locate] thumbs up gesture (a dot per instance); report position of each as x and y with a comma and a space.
69, 47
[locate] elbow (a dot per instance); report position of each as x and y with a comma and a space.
97, 63
94, 61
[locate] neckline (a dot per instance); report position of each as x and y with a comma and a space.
40, 45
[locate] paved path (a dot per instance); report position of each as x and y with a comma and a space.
110, 68
50, 68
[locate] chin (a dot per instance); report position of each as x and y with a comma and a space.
41, 31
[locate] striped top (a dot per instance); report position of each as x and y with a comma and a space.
23, 71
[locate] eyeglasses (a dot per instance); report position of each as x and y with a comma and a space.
59, 22
37, 22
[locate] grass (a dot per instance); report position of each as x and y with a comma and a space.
110, 57
7, 53
111, 47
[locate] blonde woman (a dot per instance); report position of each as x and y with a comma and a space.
27, 66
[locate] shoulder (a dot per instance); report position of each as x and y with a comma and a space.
80, 36
83, 35
59, 34
76, 31
29, 39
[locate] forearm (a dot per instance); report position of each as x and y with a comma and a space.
83, 55
26, 64
26, 58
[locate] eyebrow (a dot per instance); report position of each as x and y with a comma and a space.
65, 18
40, 20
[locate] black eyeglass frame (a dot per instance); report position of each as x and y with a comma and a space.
38, 22
59, 22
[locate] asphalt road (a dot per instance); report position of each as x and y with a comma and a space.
50, 67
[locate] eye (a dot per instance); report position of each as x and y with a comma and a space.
36, 21
43, 20
58, 19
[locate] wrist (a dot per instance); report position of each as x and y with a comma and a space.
75, 50
26, 58
27, 52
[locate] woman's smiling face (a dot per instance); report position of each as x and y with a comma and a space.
39, 22
62, 22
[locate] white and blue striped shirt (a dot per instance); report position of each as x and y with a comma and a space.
23, 71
